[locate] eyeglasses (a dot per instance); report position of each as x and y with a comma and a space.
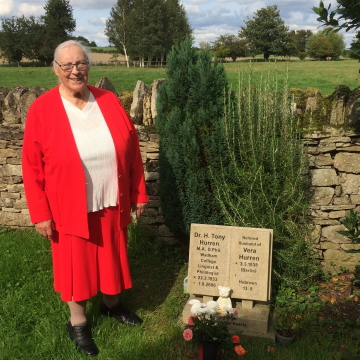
80, 66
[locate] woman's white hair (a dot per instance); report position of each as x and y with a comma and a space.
68, 43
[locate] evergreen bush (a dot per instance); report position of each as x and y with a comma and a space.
190, 106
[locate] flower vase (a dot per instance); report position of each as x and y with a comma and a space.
208, 351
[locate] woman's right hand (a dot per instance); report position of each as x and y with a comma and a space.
45, 228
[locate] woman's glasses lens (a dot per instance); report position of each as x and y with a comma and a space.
80, 66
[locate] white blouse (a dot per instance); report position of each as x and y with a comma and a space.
97, 153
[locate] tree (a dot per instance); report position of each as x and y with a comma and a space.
176, 24
348, 12
325, 44
21, 37
320, 48
37, 38
33, 43
204, 45
147, 29
118, 26
58, 25
222, 52
230, 45
355, 47
267, 32
12, 38
190, 106
300, 38
84, 41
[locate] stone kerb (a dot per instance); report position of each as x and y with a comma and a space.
13, 208
334, 157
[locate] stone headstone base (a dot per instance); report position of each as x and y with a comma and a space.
255, 322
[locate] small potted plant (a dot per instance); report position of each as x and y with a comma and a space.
210, 331
293, 310
286, 314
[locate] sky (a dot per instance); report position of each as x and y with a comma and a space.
208, 18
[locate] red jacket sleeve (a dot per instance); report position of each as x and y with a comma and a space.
33, 168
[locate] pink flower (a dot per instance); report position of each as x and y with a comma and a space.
188, 334
235, 311
235, 339
240, 350
190, 320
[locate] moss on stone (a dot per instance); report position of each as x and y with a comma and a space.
299, 98
126, 99
311, 92
150, 129
343, 90
319, 117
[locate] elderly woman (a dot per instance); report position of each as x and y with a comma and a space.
83, 175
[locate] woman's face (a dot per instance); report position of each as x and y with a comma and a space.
74, 81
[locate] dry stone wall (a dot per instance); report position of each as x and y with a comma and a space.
13, 108
334, 156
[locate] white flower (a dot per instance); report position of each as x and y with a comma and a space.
203, 310
212, 305
212, 311
196, 306
195, 309
229, 310
193, 301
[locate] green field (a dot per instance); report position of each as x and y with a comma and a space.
302, 74
325, 76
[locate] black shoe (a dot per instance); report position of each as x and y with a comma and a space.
81, 335
121, 314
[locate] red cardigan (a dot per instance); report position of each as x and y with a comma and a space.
53, 175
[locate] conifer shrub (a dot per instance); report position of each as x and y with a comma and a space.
190, 106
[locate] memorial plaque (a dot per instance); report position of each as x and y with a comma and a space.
238, 257
251, 263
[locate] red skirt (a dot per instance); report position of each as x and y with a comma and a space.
82, 267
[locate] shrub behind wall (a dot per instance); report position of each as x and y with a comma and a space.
263, 182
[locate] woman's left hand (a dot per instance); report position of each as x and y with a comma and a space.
138, 208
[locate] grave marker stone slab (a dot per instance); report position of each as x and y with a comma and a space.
238, 257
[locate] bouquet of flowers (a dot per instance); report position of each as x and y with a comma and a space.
204, 326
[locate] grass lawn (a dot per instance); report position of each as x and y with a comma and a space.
323, 75
33, 318
302, 74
